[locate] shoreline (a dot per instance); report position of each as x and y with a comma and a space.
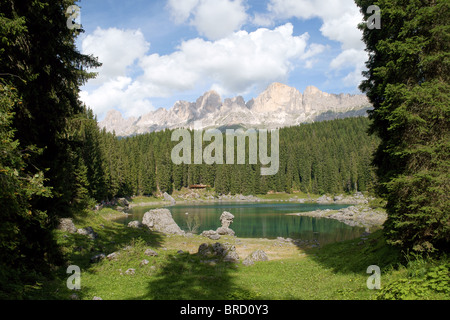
358, 216
355, 199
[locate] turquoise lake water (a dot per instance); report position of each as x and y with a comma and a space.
260, 220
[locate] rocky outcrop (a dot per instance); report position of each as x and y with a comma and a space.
169, 198
161, 220
278, 106
257, 255
211, 234
238, 197
67, 225
356, 198
361, 216
219, 252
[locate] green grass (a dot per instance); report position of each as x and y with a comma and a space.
336, 271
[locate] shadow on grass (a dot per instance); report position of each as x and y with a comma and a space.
110, 237
355, 256
79, 250
189, 277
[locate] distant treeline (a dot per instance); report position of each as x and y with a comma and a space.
325, 157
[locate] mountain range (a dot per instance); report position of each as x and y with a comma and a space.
278, 106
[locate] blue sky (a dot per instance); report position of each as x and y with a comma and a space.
157, 52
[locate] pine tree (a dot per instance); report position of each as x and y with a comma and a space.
408, 83
38, 58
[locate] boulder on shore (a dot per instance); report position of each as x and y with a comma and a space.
161, 220
168, 197
224, 231
211, 234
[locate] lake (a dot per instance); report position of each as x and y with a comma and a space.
260, 220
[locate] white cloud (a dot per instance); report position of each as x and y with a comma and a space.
340, 20
354, 59
120, 93
349, 58
116, 49
233, 65
181, 10
213, 19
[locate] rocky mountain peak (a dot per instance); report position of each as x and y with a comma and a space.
209, 102
278, 106
277, 97
311, 90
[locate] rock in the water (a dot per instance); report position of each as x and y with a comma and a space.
66, 224
161, 220
226, 219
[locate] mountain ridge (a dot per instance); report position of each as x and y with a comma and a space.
277, 106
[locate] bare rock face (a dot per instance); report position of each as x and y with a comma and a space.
161, 220
276, 107
277, 97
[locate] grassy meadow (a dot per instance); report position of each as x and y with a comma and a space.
332, 272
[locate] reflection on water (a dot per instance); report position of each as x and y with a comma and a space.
261, 220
